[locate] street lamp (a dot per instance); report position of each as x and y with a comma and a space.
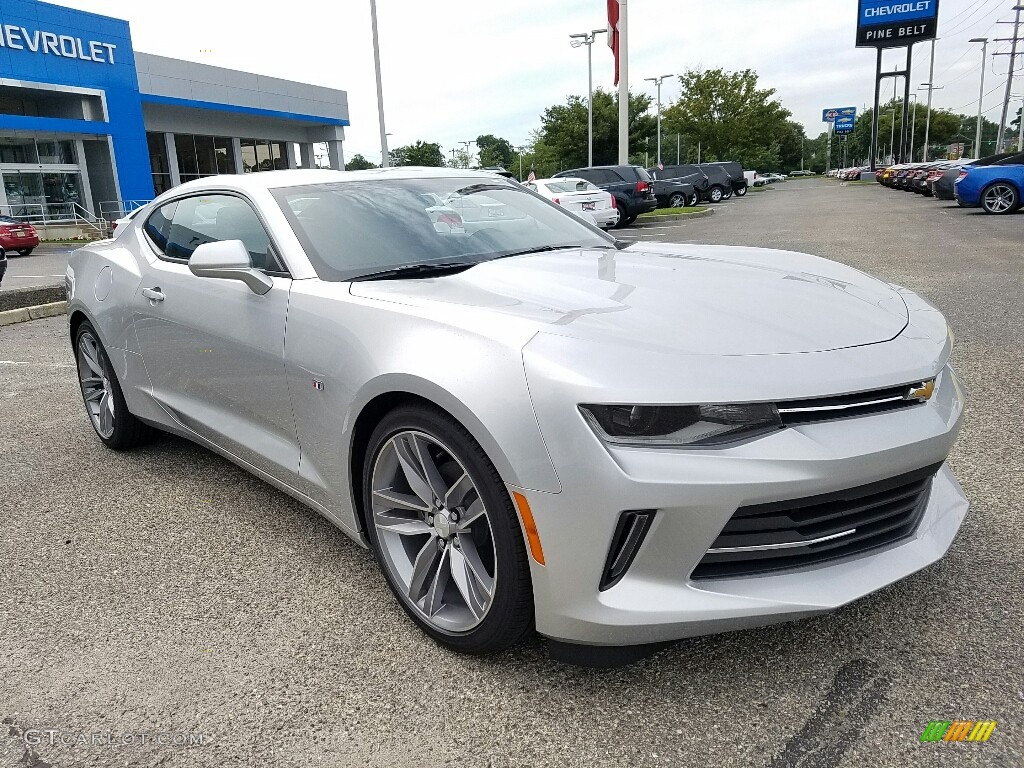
913, 125
587, 39
928, 118
981, 91
657, 81
467, 143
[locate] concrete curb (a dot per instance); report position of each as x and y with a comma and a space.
17, 298
674, 217
39, 311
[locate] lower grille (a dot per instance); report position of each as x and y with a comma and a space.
763, 538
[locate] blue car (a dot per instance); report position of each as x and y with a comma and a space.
996, 188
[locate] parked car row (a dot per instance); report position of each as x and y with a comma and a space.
615, 195
994, 183
847, 174
768, 178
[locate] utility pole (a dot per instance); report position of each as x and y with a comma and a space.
678, 147
468, 156
981, 92
1009, 75
657, 81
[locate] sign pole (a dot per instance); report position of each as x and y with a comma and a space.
623, 83
874, 114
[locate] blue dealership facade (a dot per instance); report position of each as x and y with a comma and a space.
88, 123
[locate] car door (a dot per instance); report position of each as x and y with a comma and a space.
213, 348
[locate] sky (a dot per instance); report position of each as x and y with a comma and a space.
458, 69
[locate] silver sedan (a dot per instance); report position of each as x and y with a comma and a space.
529, 424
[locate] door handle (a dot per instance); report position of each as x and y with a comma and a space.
153, 294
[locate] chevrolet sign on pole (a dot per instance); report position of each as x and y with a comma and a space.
894, 23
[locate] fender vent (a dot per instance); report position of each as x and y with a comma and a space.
629, 534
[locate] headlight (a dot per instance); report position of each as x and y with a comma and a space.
680, 425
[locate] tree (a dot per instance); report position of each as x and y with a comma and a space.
421, 153
359, 163
730, 117
495, 151
561, 141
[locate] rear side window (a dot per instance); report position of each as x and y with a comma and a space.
158, 225
644, 176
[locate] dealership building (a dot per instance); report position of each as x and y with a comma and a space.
88, 125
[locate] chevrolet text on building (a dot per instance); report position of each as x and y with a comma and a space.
888, 24
67, 46
89, 126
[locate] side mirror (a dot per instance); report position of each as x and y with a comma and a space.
228, 260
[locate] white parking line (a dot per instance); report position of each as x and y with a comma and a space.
37, 365
30, 277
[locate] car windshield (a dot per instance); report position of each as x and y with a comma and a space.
358, 228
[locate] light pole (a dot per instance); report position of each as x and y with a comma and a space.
657, 81
385, 160
931, 87
981, 91
468, 144
913, 125
928, 118
587, 39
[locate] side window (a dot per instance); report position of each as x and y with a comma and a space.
593, 176
158, 225
614, 177
213, 218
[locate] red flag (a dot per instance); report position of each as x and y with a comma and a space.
613, 33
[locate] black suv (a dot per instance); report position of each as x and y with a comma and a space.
714, 183
735, 171
629, 184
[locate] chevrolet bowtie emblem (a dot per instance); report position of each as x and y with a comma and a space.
921, 392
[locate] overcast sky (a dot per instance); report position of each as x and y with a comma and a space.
461, 68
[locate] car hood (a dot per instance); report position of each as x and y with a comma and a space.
684, 299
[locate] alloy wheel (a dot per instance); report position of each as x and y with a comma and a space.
1000, 198
677, 201
94, 377
434, 531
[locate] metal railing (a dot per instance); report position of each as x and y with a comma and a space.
55, 213
112, 210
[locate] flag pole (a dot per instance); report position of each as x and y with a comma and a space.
623, 85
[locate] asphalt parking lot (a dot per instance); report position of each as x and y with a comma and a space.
44, 266
166, 591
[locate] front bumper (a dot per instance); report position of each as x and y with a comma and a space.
696, 492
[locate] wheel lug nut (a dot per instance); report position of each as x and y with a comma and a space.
430, 519
454, 517
440, 543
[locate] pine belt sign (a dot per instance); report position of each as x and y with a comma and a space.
894, 23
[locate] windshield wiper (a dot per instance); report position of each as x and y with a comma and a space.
418, 270
538, 249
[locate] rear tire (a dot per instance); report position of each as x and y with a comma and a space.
694, 199
104, 401
623, 218
1000, 198
463, 577
677, 200
741, 192
24, 251
715, 194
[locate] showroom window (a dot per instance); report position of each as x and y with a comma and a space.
158, 162
200, 156
263, 155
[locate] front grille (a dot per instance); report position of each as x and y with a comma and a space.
764, 538
810, 410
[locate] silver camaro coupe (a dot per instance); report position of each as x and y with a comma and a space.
529, 424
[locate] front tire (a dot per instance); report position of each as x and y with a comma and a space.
1000, 198
444, 532
741, 192
25, 252
693, 201
101, 392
